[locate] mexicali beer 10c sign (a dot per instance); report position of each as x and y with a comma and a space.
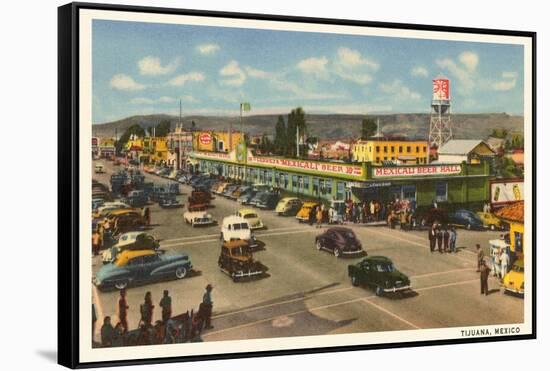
322, 167
406, 171
205, 138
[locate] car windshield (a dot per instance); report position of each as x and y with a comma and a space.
348, 235
517, 268
250, 216
384, 268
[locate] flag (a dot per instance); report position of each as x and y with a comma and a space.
245, 106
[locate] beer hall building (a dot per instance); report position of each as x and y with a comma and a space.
461, 184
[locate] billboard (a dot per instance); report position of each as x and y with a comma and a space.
441, 89
205, 138
506, 190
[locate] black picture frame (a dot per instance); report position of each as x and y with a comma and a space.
69, 187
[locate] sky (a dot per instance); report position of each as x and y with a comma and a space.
146, 68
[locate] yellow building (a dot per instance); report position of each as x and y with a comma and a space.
513, 215
397, 151
148, 149
215, 141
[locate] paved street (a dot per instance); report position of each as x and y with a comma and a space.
308, 292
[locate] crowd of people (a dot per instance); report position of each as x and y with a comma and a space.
186, 327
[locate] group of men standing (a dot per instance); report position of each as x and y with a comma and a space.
442, 238
114, 336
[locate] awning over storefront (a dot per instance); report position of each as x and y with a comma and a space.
367, 185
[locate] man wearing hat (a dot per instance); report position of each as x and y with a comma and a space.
484, 277
480, 256
207, 307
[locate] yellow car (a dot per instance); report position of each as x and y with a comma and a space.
303, 214
251, 217
513, 280
288, 206
490, 220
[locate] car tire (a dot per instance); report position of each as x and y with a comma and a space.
318, 245
378, 291
354, 281
181, 272
121, 285
337, 253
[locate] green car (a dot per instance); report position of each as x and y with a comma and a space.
378, 272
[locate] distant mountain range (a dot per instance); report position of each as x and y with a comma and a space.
330, 126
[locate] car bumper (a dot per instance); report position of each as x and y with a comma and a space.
396, 289
514, 290
352, 252
302, 218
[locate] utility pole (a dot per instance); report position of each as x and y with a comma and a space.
297, 142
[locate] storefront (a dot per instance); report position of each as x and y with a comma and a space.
422, 184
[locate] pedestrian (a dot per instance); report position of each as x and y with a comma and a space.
94, 321
446, 237
452, 239
372, 210
404, 218
107, 332
504, 263
484, 277
118, 335
146, 310
439, 237
480, 256
432, 236
496, 263
123, 310
95, 242
311, 216
166, 305
147, 215
207, 305
331, 215
319, 217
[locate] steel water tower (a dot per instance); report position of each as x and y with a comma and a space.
441, 130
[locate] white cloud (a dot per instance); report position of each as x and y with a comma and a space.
399, 91
352, 66
125, 82
162, 100
256, 73
180, 80
208, 49
464, 70
353, 58
470, 60
235, 76
314, 66
152, 66
419, 71
508, 82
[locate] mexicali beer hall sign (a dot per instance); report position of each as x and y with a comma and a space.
408, 171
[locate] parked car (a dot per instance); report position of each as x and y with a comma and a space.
254, 200
303, 214
246, 197
199, 197
221, 187
288, 206
251, 217
267, 201
379, 273
197, 216
428, 217
490, 221
135, 240
141, 266
107, 207
136, 198
514, 280
237, 228
236, 260
237, 193
467, 219
169, 202
230, 189
340, 241
96, 203
125, 220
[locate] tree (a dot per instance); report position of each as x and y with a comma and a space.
296, 123
368, 128
506, 168
162, 129
499, 133
125, 137
265, 144
280, 143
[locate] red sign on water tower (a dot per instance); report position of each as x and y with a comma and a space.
442, 89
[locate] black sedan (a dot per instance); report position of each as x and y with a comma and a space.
339, 241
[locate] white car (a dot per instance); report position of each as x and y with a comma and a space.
130, 240
237, 228
198, 217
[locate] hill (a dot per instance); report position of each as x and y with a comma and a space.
413, 125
